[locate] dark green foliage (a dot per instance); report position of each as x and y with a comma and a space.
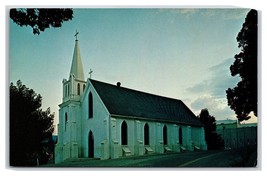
40, 19
214, 141
30, 128
243, 98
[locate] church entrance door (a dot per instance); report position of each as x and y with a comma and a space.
91, 145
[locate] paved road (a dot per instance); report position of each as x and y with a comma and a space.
177, 160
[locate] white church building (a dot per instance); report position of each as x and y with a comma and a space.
101, 120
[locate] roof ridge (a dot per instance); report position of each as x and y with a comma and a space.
148, 93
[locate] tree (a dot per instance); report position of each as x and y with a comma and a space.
214, 141
243, 98
30, 128
40, 19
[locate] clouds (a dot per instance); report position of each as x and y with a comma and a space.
217, 107
222, 13
225, 14
219, 80
211, 91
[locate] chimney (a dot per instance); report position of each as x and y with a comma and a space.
118, 84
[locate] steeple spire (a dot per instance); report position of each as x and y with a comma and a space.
77, 66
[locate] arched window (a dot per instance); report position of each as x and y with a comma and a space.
90, 105
78, 89
68, 90
91, 145
66, 120
180, 136
146, 134
165, 140
124, 133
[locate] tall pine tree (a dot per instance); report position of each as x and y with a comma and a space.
243, 98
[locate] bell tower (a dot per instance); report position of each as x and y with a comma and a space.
69, 127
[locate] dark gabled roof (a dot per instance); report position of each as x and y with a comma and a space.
122, 101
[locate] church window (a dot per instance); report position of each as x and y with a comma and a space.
124, 133
180, 136
78, 89
146, 134
90, 105
91, 145
68, 90
66, 120
165, 140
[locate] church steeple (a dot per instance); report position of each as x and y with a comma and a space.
74, 87
77, 66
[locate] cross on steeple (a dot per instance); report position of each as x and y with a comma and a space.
76, 35
90, 73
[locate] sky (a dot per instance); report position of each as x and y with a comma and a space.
179, 53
